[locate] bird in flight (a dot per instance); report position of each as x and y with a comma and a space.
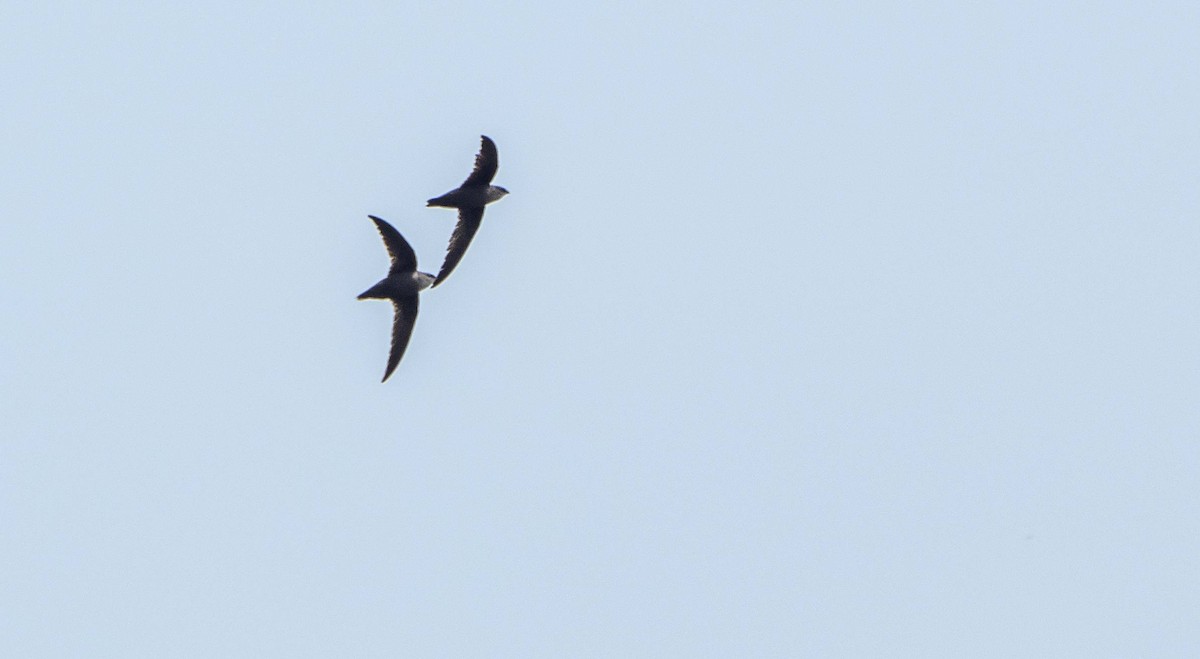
469, 198
401, 285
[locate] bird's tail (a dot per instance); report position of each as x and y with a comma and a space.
376, 292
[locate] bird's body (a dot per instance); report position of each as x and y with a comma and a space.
469, 198
402, 287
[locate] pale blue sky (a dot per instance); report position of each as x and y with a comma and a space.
830, 329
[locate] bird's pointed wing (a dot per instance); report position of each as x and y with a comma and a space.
401, 253
404, 316
486, 163
468, 223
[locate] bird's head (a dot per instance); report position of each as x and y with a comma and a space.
496, 192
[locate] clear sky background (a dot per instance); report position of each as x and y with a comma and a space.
808, 329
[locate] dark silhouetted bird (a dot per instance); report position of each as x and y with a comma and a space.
469, 198
402, 285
